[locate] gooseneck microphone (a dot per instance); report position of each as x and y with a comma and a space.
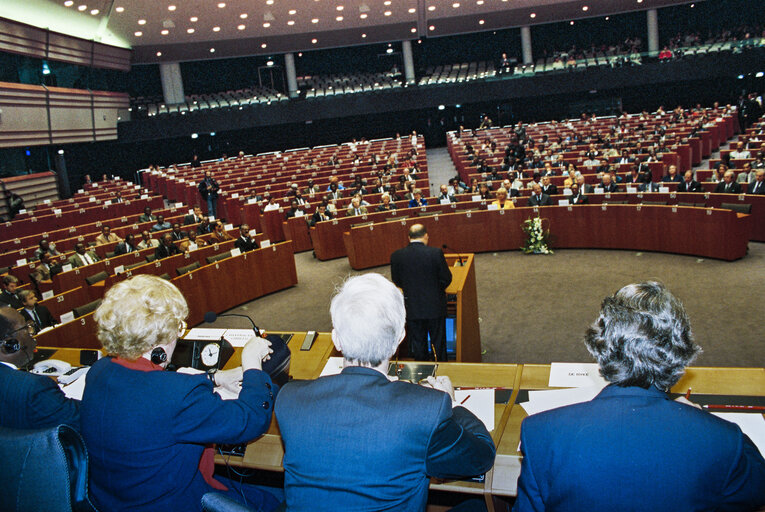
211, 316
459, 256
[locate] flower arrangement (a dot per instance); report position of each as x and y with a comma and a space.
537, 238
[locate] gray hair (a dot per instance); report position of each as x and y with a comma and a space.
642, 337
24, 295
368, 319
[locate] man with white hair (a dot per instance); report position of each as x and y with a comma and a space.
359, 441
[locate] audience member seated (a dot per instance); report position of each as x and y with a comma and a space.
502, 202
311, 189
193, 218
82, 256
107, 237
191, 243
547, 187
147, 242
538, 198
9, 296
636, 179
359, 441
672, 175
320, 215
608, 185
28, 401
444, 196
166, 248
728, 184
244, 241
45, 246
356, 208
219, 234
269, 203
126, 246
177, 234
758, 185
35, 313
295, 210
45, 270
746, 175
145, 428
585, 188
689, 184
204, 227
632, 447
147, 216
577, 197
161, 224
740, 153
417, 200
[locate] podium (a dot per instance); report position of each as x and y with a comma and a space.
462, 306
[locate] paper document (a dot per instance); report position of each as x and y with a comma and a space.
575, 375
478, 401
202, 333
76, 389
751, 424
540, 401
333, 367
238, 337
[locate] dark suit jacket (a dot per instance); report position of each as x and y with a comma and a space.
760, 190
317, 218
694, 186
422, 273
162, 251
735, 188
636, 449
177, 237
245, 245
43, 313
669, 179
551, 190
191, 219
214, 187
356, 441
543, 201
587, 189
10, 299
29, 401
612, 187
122, 248
145, 457
579, 199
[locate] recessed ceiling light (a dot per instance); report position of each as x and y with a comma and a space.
608, 18
571, 22
164, 32
339, 18
414, 30
386, 2
264, 46
216, 29
94, 11
456, 4
82, 7
339, 7
243, 16
431, 28
533, 15
159, 54
266, 25
479, 2
292, 12
138, 34
142, 22
640, 1
118, 9
387, 13
193, 19
212, 50
315, 20
221, 5
170, 7
481, 22
363, 15
412, 10
585, 8
240, 27
432, 8
269, 2
291, 22
190, 30
69, 3
314, 41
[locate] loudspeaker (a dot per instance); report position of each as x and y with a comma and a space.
158, 355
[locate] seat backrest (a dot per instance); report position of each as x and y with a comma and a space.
655, 203
737, 207
151, 257
44, 470
97, 278
218, 257
87, 308
187, 268
165, 276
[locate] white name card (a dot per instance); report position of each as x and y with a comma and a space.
664, 190
236, 252
445, 201
211, 218
180, 205
228, 227
598, 190
47, 201
475, 198
631, 190
567, 192
22, 261
144, 196
66, 268
265, 243
492, 207
67, 317
92, 199
235, 195
57, 211
563, 202
107, 203
23, 210
119, 269
47, 295
575, 375
252, 201
253, 232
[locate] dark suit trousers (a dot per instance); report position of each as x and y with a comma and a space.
417, 332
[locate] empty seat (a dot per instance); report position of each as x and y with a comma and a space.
97, 278
737, 207
87, 308
187, 268
655, 203
218, 257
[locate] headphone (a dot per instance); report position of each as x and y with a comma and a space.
11, 345
158, 355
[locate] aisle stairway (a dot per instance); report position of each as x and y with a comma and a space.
440, 168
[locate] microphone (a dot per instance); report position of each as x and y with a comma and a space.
211, 316
459, 256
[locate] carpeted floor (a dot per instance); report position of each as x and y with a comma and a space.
535, 309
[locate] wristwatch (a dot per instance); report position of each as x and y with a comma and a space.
211, 375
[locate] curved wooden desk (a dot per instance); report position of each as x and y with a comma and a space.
707, 232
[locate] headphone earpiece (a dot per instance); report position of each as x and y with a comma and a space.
158, 355
11, 345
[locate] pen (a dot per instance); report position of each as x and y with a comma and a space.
688, 394
465, 400
736, 407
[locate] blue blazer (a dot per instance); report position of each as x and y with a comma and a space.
633, 449
29, 401
145, 433
357, 441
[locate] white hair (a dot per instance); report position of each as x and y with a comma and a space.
368, 318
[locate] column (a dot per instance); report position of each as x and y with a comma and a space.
526, 45
653, 31
289, 65
406, 50
172, 83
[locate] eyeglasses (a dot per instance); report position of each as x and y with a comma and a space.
30, 327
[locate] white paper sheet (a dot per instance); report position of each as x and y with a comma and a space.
751, 424
238, 337
333, 367
203, 333
575, 375
540, 401
478, 401
75, 389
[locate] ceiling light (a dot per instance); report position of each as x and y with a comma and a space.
94, 11
339, 7
264, 46
387, 13
386, 2
82, 7
269, 2
363, 15
363, 36
221, 5
266, 25
608, 18
269, 63
314, 41
431, 28
585, 8
481, 22
194, 135
170, 7
164, 32
291, 22
414, 30
339, 18
193, 19
159, 54
190, 30
240, 27
533, 15
456, 4
432, 8
292, 12
640, 1
212, 50
142, 22
389, 51
138, 34
412, 10
243, 16
216, 29
571, 22
118, 9
69, 3
315, 20
479, 2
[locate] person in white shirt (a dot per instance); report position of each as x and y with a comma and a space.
740, 152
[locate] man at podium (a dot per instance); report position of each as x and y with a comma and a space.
423, 275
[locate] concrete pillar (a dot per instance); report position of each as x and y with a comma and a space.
526, 45
406, 49
172, 83
289, 65
652, 18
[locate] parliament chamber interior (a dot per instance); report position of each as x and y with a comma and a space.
257, 158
